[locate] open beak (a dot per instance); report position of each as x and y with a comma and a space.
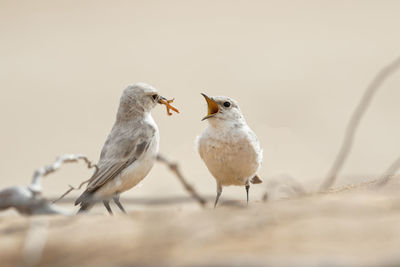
212, 107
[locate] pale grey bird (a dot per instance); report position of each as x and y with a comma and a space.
228, 147
130, 150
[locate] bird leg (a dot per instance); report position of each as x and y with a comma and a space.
107, 205
247, 191
116, 200
219, 191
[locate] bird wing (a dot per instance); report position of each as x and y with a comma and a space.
119, 154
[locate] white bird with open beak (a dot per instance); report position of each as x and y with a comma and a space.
228, 147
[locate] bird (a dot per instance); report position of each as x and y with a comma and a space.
129, 151
229, 148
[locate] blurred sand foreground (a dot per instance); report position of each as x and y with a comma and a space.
351, 227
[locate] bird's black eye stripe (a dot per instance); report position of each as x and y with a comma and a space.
227, 104
154, 96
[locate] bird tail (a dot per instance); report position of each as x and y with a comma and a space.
256, 180
85, 200
85, 207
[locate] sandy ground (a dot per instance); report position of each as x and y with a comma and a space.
350, 227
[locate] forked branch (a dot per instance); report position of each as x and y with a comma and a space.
174, 168
355, 119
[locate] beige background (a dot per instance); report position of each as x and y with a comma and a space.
297, 68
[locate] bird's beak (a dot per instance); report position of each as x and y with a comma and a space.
212, 107
161, 100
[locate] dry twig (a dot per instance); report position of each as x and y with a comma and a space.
75, 158
71, 188
46, 170
28, 199
389, 173
355, 121
174, 168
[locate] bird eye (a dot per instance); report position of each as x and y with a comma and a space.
154, 96
227, 104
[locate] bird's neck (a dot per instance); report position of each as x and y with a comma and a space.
227, 125
131, 115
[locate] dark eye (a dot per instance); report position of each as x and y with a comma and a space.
227, 104
154, 96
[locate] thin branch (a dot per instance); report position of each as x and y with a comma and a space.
71, 188
174, 168
28, 199
389, 173
355, 121
36, 187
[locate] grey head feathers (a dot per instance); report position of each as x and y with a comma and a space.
137, 100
